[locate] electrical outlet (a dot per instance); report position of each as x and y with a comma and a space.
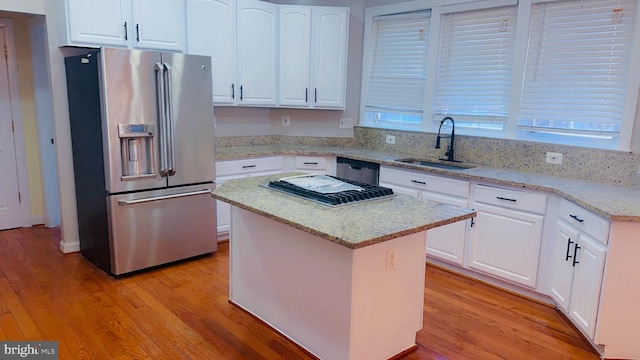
346, 123
390, 139
286, 121
554, 158
391, 260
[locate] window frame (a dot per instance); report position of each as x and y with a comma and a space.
629, 136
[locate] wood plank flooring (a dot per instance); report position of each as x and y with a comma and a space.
182, 312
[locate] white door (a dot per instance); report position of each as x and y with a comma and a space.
257, 52
447, 242
10, 211
159, 24
562, 277
212, 31
587, 282
103, 22
295, 55
506, 243
329, 42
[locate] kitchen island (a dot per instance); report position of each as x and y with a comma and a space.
342, 282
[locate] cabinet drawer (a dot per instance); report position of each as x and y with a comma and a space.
424, 182
311, 162
585, 220
248, 166
512, 199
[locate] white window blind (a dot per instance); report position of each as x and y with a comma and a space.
577, 68
474, 75
397, 69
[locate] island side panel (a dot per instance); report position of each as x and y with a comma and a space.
295, 282
336, 302
619, 318
388, 300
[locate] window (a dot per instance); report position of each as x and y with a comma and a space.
397, 69
576, 71
557, 71
474, 76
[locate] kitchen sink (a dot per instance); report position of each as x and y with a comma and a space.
436, 164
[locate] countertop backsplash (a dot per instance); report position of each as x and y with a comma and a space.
607, 166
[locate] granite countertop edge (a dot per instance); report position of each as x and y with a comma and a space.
349, 226
612, 202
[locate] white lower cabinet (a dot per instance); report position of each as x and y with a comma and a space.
445, 242
578, 265
506, 234
239, 168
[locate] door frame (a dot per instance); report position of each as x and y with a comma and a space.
16, 114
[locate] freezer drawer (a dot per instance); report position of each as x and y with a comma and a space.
157, 227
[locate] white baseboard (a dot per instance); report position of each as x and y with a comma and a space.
69, 247
37, 220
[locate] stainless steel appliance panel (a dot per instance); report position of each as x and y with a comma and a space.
156, 227
357, 170
190, 109
128, 95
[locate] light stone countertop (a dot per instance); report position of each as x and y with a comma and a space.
354, 225
614, 203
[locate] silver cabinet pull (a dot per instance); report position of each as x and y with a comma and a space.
165, 197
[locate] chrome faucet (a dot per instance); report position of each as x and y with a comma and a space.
449, 152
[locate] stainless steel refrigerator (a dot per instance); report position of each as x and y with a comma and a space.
142, 131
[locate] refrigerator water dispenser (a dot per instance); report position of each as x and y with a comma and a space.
136, 150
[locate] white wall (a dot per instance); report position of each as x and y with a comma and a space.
51, 9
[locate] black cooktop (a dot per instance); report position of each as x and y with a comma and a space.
368, 192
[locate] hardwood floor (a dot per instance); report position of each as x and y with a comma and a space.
182, 312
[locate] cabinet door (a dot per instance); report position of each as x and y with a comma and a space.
506, 243
447, 242
562, 275
211, 29
587, 281
294, 55
330, 27
159, 24
257, 46
98, 22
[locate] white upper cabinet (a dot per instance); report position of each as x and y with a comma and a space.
147, 24
330, 29
313, 56
211, 29
257, 53
99, 22
159, 24
295, 55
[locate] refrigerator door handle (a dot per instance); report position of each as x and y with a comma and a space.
169, 120
165, 197
162, 124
